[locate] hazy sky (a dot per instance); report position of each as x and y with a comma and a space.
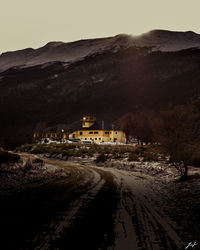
33, 23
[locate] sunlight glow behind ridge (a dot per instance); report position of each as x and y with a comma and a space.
35, 23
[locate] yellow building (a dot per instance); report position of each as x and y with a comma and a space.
92, 130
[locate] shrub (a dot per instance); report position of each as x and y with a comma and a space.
38, 161
66, 153
28, 165
139, 150
117, 156
101, 158
149, 156
90, 153
133, 157
25, 148
66, 146
38, 150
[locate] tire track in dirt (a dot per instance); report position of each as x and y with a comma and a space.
87, 218
139, 225
57, 227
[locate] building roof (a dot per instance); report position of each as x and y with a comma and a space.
98, 125
54, 129
77, 125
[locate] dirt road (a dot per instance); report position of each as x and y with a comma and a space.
87, 207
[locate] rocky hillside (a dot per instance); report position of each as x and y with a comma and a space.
107, 82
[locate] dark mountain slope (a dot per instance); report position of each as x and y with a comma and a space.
107, 84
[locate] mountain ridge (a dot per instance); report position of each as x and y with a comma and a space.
162, 40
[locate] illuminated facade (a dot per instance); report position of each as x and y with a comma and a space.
91, 130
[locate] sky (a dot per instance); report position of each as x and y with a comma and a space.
33, 23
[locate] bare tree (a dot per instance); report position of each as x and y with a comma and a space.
143, 131
127, 124
178, 131
39, 130
139, 126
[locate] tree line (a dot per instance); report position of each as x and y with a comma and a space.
176, 129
